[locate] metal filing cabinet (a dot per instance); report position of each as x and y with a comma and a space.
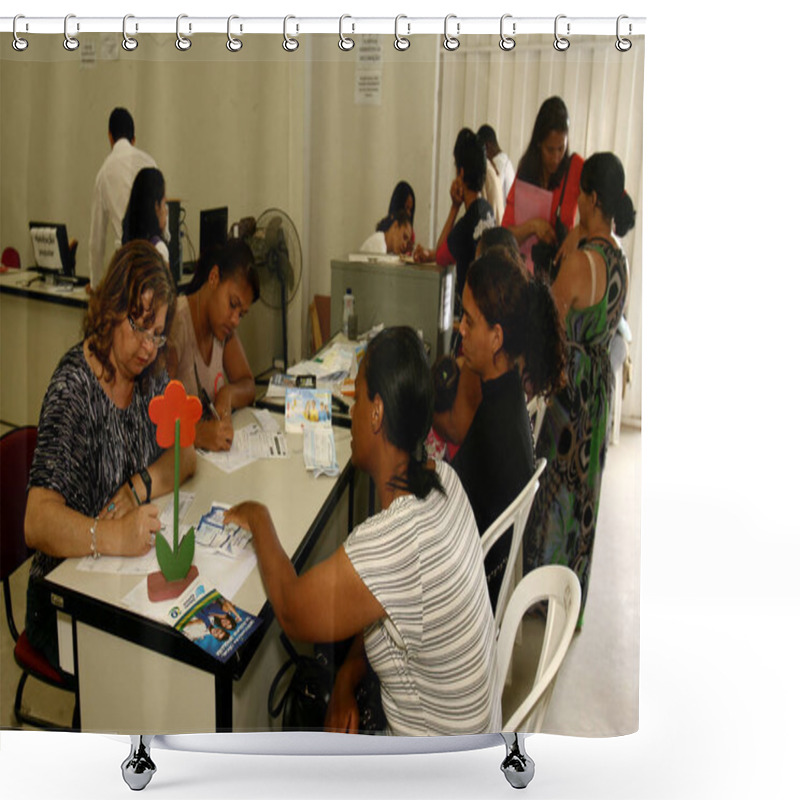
397, 293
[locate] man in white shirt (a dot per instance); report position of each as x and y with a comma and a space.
112, 189
502, 163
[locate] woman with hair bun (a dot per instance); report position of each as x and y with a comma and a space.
408, 583
510, 327
590, 292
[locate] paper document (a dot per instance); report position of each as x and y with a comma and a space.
213, 533
319, 451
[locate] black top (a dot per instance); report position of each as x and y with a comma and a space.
463, 239
495, 460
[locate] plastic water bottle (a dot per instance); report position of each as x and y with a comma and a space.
349, 315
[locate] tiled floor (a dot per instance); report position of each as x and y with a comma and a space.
597, 693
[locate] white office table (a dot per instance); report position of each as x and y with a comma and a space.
39, 321
135, 674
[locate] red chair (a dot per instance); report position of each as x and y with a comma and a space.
10, 258
16, 455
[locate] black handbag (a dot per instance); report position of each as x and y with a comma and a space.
543, 255
305, 700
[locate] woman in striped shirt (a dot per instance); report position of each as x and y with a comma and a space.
408, 583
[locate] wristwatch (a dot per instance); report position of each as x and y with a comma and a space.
147, 481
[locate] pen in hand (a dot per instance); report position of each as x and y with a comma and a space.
211, 407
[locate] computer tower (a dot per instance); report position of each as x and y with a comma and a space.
174, 247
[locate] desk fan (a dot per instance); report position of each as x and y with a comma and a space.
278, 259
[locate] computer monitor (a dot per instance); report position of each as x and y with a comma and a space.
51, 251
213, 228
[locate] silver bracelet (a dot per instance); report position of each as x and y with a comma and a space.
93, 544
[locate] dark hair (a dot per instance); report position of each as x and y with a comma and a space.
140, 220
604, 174
486, 135
552, 116
120, 124
395, 367
136, 268
234, 259
527, 313
470, 155
400, 194
446, 375
499, 237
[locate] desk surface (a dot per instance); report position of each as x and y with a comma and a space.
299, 505
27, 283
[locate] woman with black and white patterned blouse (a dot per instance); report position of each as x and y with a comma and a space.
408, 583
97, 464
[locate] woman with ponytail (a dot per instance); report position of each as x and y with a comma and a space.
408, 583
590, 293
510, 329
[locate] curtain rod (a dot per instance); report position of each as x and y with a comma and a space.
452, 26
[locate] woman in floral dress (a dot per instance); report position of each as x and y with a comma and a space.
590, 293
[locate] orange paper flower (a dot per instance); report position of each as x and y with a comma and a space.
174, 405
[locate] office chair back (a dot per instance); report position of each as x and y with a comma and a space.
560, 587
16, 456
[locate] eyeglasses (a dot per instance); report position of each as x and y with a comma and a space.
157, 340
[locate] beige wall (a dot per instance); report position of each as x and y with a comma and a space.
226, 129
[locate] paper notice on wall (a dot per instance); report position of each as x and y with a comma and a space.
369, 71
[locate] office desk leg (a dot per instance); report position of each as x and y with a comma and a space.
518, 766
138, 768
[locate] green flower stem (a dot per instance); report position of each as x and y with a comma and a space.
176, 486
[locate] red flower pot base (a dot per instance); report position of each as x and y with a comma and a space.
159, 588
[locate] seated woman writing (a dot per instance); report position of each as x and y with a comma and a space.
409, 582
97, 464
204, 351
508, 319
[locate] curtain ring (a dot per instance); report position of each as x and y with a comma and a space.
182, 43
233, 44
451, 43
128, 42
345, 42
290, 44
400, 42
507, 42
623, 45
559, 42
70, 42
18, 43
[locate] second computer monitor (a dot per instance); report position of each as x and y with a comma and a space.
213, 228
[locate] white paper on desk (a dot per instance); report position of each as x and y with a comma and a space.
319, 451
226, 575
258, 442
265, 419
121, 565
212, 533
229, 461
185, 499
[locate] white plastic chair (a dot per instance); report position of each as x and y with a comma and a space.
536, 408
561, 588
516, 514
